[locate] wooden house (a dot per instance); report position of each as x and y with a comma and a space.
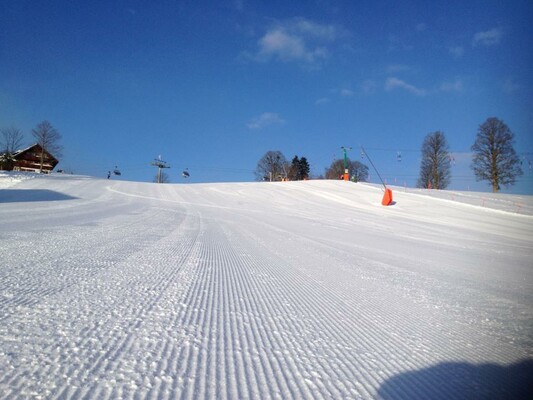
29, 159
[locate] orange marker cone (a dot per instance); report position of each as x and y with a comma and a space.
387, 197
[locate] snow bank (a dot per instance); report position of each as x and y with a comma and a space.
8, 178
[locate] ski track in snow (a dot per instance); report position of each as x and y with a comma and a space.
307, 290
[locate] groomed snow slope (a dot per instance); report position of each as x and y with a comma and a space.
304, 290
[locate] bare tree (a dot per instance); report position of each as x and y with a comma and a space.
435, 165
48, 138
495, 159
272, 166
11, 141
357, 170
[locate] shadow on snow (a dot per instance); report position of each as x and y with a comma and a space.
20, 196
462, 381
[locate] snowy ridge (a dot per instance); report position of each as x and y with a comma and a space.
520, 204
310, 290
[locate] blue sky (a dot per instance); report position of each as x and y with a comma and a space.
212, 85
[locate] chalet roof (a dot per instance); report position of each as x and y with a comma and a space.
26, 149
35, 146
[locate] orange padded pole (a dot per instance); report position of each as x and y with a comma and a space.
387, 197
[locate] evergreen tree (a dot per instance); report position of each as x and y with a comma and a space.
299, 169
435, 165
495, 159
293, 172
303, 169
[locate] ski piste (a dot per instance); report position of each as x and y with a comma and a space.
313, 290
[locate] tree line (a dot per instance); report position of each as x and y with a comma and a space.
12, 139
273, 166
493, 159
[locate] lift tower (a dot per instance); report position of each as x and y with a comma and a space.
346, 171
160, 164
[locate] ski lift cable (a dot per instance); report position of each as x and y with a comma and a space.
375, 169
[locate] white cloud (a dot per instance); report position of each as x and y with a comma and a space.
299, 40
456, 86
369, 86
510, 86
336, 93
306, 27
346, 92
322, 100
457, 51
286, 47
487, 38
395, 83
265, 119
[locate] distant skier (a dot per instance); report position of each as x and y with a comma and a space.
108, 174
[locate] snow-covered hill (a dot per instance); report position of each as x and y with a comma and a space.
113, 289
